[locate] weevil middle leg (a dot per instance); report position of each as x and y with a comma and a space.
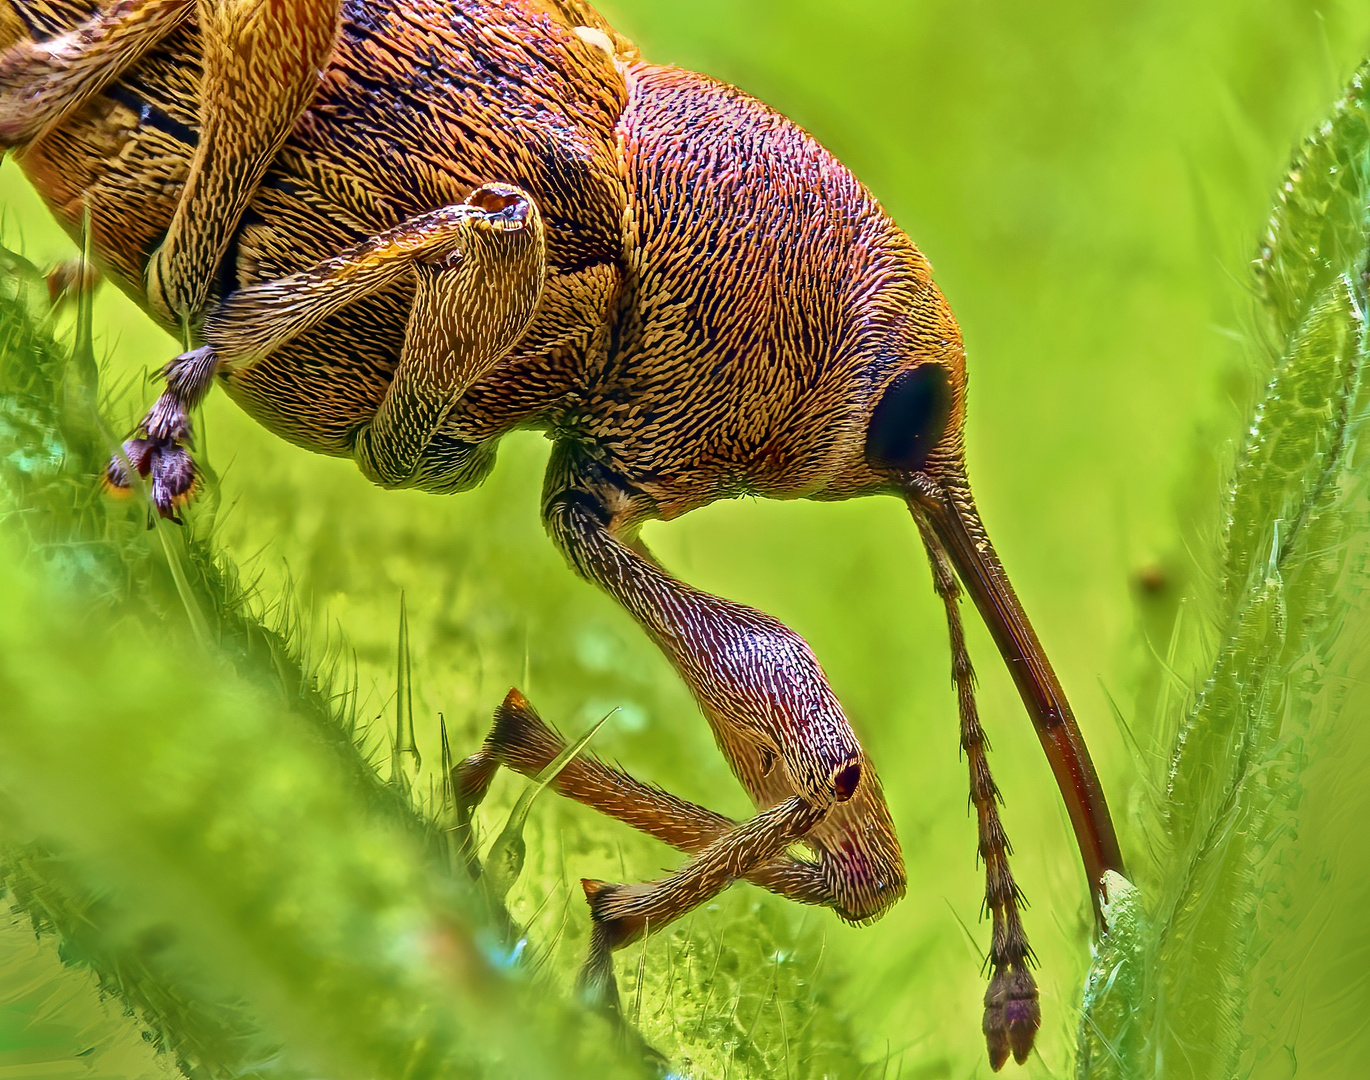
480, 267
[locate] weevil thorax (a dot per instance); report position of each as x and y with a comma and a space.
770, 306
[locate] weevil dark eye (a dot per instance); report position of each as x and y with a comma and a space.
910, 419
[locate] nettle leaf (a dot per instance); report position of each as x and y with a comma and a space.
1174, 985
189, 810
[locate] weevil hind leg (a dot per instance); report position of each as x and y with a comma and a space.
261, 65
44, 82
262, 62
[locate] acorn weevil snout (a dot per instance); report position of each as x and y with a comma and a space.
394, 239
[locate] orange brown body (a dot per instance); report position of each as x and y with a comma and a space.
484, 216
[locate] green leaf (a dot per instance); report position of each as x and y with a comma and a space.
1171, 989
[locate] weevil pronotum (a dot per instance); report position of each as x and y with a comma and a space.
394, 230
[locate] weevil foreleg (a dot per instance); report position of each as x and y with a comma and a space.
44, 82
771, 709
1012, 1014
262, 62
520, 740
757, 681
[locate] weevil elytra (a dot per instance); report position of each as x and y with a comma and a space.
395, 230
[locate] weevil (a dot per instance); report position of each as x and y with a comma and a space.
395, 230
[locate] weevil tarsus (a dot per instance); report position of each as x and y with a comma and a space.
160, 448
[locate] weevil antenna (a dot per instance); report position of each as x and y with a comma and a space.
1012, 1013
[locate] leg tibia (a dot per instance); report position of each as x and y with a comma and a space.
620, 914
724, 850
470, 309
626, 911
522, 741
256, 320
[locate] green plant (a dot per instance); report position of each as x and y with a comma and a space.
212, 841
215, 843
1173, 983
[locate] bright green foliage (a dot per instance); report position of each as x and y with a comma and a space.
186, 805
1318, 228
734, 994
1172, 987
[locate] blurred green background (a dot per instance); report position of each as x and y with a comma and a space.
1090, 182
